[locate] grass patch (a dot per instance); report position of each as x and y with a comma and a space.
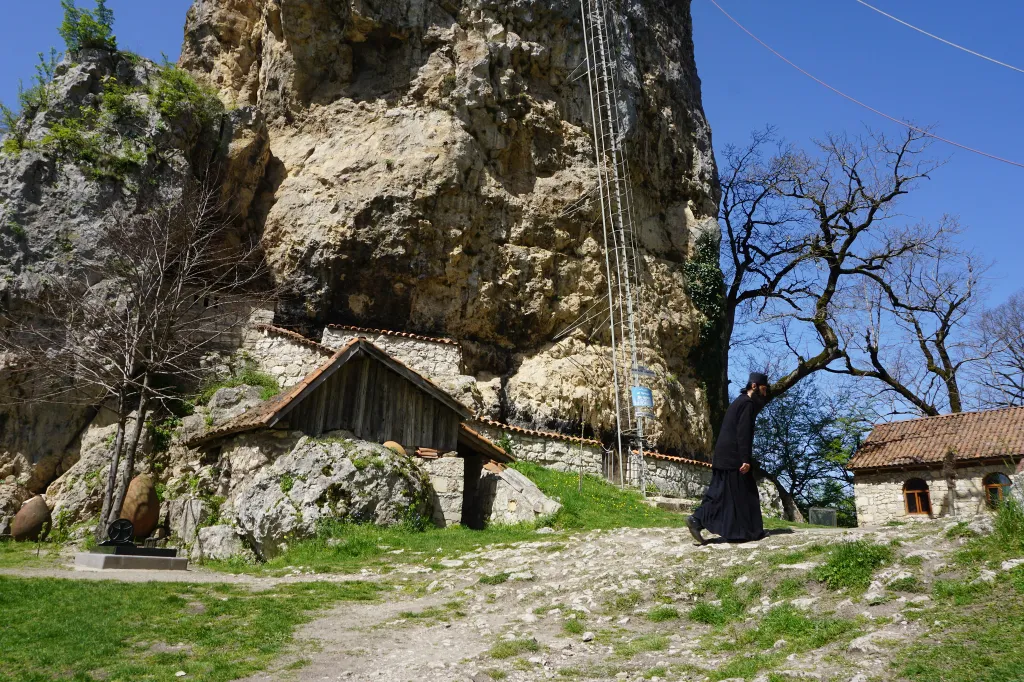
850, 565
246, 377
660, 614
598, 505
573, 626
514, 647
625, 602
641, 644
788, 588
445, 614
24, 554
801, 632
71, 629
908, 584
730, 603
496, 579
960, 530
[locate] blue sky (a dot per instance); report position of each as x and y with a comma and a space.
872, 58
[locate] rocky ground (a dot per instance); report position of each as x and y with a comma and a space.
621, 604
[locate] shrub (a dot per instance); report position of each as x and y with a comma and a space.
178, 94
84, 28
851, 564
249, 376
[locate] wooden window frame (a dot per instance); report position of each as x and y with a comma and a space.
922, 499
998, 488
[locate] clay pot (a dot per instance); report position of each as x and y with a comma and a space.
141, 505
32, 522
395, 447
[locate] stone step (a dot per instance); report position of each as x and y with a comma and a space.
674, 504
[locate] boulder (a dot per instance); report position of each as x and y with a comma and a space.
515, 498
226, 403
318, 480
33, 521
141, 505
219, 543
12, 497
771, 503
185, 516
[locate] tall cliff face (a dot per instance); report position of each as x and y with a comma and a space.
427, 157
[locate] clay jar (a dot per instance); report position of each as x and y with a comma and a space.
32, 522
141, 505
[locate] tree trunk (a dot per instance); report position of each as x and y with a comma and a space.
790, 510
133, 446
115, 461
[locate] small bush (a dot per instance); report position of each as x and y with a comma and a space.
851, 565
82, 28
117, 100
177, 94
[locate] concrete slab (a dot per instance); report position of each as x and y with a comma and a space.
104, 562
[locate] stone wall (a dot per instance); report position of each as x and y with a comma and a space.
286, 356
448, 480
880, 495
508, 497
550, 451
674, 477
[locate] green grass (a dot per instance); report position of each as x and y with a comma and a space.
641, 644
508, 648
598, 505
246, 377
801, 631
908, 584
850, 565
732, 599
343, 547
660, 614
573, 626
23, 554
84, 630
445, 614
788, 588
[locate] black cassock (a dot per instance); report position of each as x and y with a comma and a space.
731, 506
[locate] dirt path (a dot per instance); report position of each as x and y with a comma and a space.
516, 630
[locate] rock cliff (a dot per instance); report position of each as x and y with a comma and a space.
426, 156
420, 165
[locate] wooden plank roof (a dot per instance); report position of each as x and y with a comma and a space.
272, 411
989, 435
483, 445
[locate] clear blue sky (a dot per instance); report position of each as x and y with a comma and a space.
872, 58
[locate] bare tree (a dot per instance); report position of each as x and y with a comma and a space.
175, 283
803, 231
913, 333
1001, 334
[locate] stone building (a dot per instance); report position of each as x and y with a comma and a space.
957, 465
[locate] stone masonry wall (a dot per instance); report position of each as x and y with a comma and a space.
675, 478
288, 360
447, 478
553, 453
880, 495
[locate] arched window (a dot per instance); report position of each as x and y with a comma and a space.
996, 489
915, 493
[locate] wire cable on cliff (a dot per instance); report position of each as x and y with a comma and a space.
856, 101
941, 40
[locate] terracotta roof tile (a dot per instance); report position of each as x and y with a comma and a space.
294, 336
540, 434
672, 458
971, 435
388, 332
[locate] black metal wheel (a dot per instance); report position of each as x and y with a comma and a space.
121, 531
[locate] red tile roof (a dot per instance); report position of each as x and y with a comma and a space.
987, 435
540, 434
672, 458
388, 332
294, 336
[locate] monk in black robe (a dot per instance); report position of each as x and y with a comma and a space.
731, 506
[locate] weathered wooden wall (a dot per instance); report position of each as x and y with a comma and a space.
378, 405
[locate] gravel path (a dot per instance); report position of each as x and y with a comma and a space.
612, 579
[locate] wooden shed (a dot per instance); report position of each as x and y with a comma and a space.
363, 390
